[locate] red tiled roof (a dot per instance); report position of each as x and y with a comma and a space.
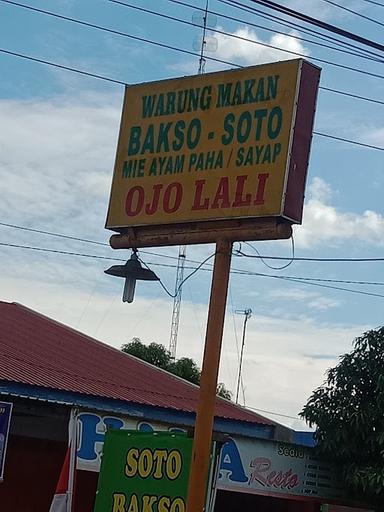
36, 350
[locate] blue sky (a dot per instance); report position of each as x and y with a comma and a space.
58, 137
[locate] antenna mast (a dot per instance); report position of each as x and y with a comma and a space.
202, 60
183, 248
247, 315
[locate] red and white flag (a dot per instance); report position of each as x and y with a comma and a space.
60, 500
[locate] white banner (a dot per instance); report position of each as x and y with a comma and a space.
276, 469
91, 428
246, 465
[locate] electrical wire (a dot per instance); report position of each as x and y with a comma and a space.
353, 12
56, 251
318, 23
271, 266
246, 39
341, 139
173, 18
296, 258
351, 95
93, 75
236, 252
115, 32
273, 413
183, 50
72, 374
373, 2
328, 89
201, 264
260, 274
331, 287
60, 66
173, 295
41, 61
290, 24
50, 233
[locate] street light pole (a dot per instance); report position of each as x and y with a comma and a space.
208, 382
247, 314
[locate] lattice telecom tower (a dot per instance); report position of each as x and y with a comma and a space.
204, 43
177, 300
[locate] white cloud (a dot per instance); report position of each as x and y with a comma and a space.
324, 222
373, 136
56, 158
312, 300
248, 53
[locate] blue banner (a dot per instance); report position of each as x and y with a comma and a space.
5, 419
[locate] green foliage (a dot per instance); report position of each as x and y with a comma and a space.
154, 353
159, 356
187, 369
348, 412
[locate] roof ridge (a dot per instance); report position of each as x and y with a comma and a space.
106, 346
25, 329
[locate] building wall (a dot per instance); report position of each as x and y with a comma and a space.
32, 470
234, 501
37, 446
85, 491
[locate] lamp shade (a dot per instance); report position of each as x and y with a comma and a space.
132, 270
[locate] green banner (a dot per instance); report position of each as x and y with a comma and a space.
144, 472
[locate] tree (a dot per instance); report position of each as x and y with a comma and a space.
159, 356
348, 412
187, 369
154, 353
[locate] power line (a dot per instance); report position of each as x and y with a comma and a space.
41, 61
56, 251
60, 66
292, 25
260, 274
293, 278
301, 281
349, 141
246, 39
298, 280
331, 287
373, 2
351, 95
50, 233
273, 413
183, 50
341, 281
116, 32
109, 79
173, 295
195, 269
237, 253
248, 23
318, 23
353, 12
301, 258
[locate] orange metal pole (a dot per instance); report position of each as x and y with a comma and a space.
208, 382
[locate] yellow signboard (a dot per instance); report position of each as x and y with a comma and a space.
209, 147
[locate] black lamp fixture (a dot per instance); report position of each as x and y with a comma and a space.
132, 271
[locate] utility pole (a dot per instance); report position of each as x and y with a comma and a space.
247, 315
